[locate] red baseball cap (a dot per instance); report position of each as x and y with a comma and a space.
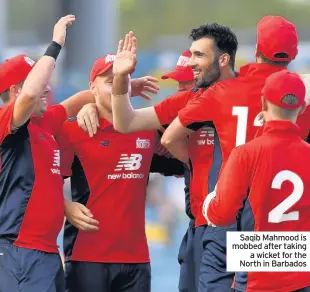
283, 83
277, 35
14, 71
182, 71
101, 65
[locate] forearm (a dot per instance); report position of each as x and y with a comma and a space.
121, 84
166, 166
74, 103
126, 119
38, 78
32, 90
178, 148
123, 112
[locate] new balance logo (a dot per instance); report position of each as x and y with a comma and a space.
205, 142
132, 162
56, 158
183, 61
143, 143
128, 162
207, 131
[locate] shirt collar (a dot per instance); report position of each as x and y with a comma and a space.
284, 128
259, 68
104, 124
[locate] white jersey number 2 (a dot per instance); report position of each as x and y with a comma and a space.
277, 215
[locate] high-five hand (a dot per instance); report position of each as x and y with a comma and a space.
125, 60
60, 29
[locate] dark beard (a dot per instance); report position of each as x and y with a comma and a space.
211, 77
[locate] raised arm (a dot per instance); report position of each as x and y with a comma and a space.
40, 75
125, 117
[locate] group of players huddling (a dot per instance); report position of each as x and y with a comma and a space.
236, 137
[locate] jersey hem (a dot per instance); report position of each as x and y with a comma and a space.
291, 288
107, 260
37, 247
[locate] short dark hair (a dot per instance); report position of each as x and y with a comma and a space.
274, 63
289, 99
224, 38
5, 96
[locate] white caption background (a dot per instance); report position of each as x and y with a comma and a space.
268, 251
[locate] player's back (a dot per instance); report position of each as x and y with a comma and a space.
279, 196
238, 103
278, 167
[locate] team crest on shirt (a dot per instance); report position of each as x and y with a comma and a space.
143, 143
206, 136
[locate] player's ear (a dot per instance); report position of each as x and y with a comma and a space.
224, 60
92, 88
302, 109
256, 52
15, 91
264, 104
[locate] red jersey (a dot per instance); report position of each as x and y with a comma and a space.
116, 167
303, 121
31, 187
231, 106
258, 178
200, 149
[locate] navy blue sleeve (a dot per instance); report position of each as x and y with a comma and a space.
187, 177
166, 166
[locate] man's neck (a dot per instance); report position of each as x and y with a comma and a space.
229, 74
104, 113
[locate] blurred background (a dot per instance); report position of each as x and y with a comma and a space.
162, 28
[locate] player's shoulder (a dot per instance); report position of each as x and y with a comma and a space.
253, 146
228, 85
71, 125
7, 108
149, 134
182, 95
305, 145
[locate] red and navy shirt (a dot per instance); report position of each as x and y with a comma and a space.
116, 167
201, 146
258, 177
31, 194
231, 107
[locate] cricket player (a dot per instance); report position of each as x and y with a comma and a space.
30, 171
114, 256
232, 107
212, 59
266, 182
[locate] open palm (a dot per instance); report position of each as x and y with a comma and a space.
125, 60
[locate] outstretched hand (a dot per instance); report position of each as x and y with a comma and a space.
125, 59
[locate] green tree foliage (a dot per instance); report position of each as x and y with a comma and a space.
150, 18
